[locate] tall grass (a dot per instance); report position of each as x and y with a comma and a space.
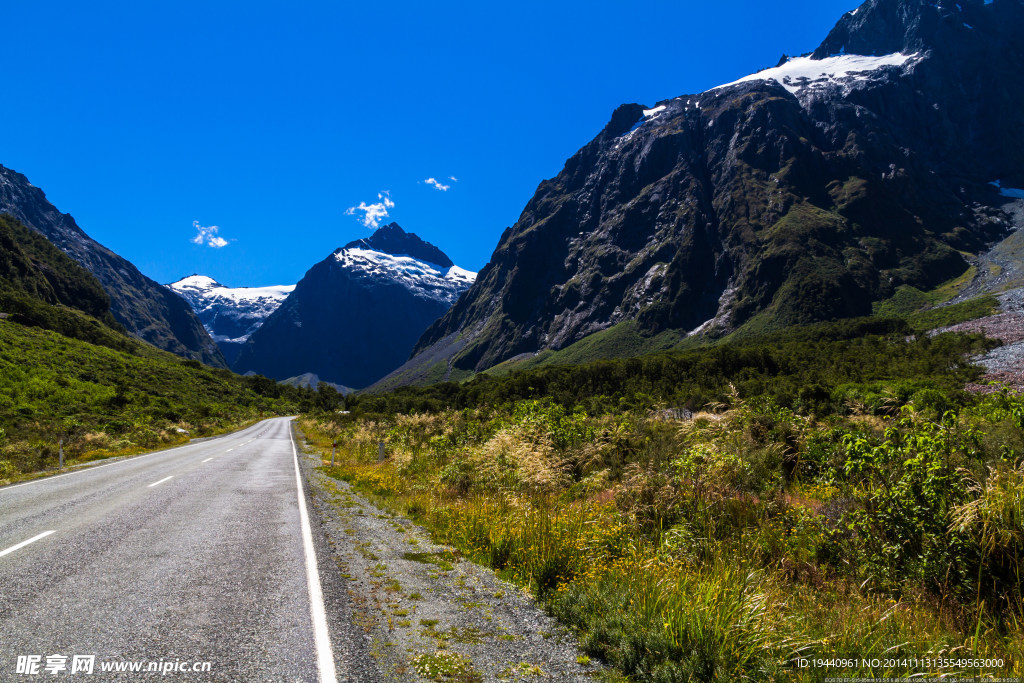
732, 546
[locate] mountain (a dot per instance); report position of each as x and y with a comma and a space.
31, 265
40, 286
801, 193
147, 310
356, 315
230, 314
311, 381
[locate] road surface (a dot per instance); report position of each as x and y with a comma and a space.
196, 561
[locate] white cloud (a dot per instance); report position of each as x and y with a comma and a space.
436, 183
208, 235
453, 179
373, 213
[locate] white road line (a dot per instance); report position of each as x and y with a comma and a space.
324, 654
229, 450
160, 482
207, 460
109, 464
25, 543
90, 469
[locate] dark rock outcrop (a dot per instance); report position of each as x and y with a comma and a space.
798, 194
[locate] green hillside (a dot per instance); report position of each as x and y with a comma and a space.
42, 287
104, 402
921, 311
68, 371
815, 368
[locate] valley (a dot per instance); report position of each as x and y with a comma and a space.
738, 393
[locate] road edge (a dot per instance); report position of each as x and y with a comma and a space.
318, 611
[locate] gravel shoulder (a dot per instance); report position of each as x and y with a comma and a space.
423, 612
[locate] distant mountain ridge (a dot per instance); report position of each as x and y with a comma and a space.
355, 316
146, 309
311, 381
797, 194
230, 314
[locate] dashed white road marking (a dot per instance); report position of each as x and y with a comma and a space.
207, 460
133, 458
25, 543
160, 482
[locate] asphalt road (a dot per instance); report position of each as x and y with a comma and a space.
194, 555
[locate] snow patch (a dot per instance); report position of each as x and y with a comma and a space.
803, 72
701, 328
419, 277
460, 274
214, 303
209, 287
629, 133
649, 115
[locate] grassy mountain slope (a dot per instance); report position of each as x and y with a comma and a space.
920, 311
69, 371
43, 287
816, 368
103, 401
28, 262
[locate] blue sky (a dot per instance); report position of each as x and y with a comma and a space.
148, 121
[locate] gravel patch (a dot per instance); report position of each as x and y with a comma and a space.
1001, 268
1005, 364
426, 613
1000, 271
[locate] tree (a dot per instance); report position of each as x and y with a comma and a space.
328, 398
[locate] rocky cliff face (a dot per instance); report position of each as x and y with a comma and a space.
356, 315
147, 310
797, 194
230, 314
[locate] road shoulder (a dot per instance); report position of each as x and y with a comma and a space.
418, 609
351, 644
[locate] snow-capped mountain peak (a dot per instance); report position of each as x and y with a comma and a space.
393, 255
195, 282
355, 316
422, 279
230, 314
210, 289
801, 74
